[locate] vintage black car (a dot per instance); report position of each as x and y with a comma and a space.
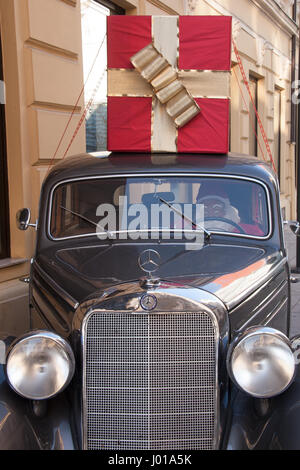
159, 310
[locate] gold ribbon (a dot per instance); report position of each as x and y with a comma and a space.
165, 82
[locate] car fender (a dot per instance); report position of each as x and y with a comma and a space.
16, 431
284, 428
265, 424
31, 425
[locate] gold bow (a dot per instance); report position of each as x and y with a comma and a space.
164, 79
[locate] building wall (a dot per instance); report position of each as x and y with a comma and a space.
42, 60
262, 31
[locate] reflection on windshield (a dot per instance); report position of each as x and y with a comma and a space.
154, 207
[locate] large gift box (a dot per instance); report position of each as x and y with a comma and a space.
168, 83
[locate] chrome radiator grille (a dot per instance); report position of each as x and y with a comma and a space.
149, 381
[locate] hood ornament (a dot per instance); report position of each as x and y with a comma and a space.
149, 262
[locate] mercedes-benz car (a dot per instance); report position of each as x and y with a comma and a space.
159, 310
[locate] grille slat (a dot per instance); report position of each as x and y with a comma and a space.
149, 381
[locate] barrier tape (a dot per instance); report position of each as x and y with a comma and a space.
87, 107
74, 108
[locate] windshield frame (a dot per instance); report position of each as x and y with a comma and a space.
157, 175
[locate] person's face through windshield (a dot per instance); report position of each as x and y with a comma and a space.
213, 207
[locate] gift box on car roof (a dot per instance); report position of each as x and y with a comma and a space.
168, 83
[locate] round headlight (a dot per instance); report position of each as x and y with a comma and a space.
261, 362
40, 365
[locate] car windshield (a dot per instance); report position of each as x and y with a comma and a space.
160, 205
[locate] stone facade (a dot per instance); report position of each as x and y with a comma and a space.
262, 31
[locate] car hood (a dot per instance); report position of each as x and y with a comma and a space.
231, 272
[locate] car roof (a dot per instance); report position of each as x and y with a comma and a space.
109, 163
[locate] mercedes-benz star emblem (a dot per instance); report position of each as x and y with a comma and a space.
149, 261
148, 302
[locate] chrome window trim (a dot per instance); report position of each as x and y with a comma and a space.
140, 175
190, 310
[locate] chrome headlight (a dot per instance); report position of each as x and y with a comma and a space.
261, 362
40, 365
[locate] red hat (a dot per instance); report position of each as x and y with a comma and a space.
211, 189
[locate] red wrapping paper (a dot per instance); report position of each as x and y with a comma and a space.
126, 35
204, 42
207, 132
129, 124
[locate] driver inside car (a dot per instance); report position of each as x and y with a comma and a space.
219, 214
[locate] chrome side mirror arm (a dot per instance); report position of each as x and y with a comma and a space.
294, 226
23, 219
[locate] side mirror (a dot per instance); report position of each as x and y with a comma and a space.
23, 219
294, 226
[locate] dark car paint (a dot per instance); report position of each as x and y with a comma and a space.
82, 272
22, 429
65, 285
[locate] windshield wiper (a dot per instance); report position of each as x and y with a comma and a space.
207, 233
183, 216
86, 219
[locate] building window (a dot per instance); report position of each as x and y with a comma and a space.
253, 84
277, 129
93, 17
4, 214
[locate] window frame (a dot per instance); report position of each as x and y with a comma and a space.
4, 202
114, 9
157, 175
253, 80
94, 129
278, 94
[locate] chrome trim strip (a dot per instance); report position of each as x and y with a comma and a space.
139, 231
267, 302
266, 277
59, 290
273, 314
190, 310
140, 175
